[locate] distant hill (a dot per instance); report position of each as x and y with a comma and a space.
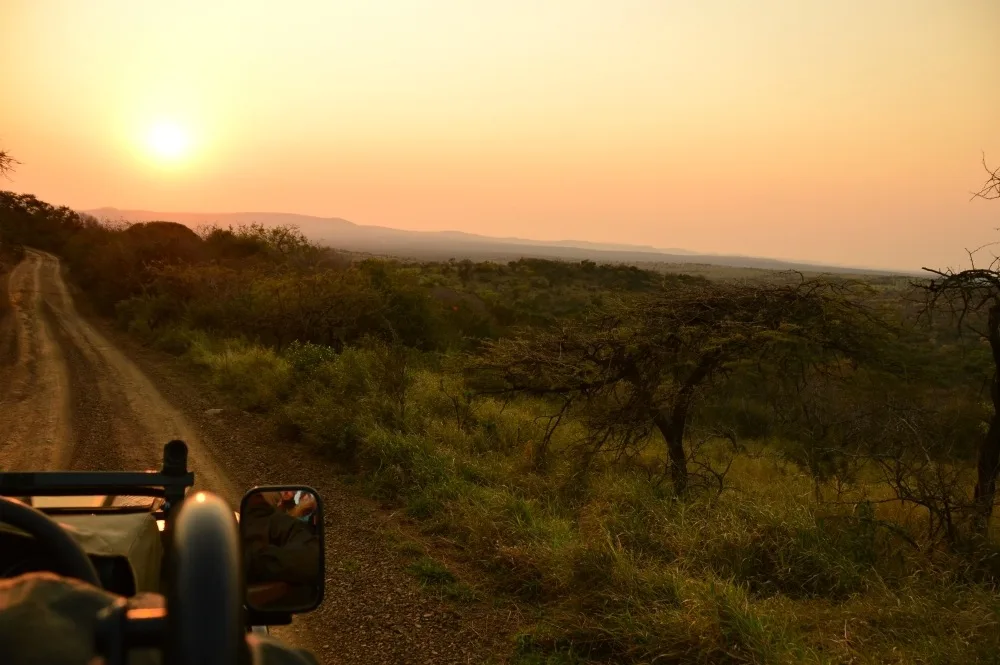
336, 230
444, 245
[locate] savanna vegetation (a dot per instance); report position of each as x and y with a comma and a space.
665, 468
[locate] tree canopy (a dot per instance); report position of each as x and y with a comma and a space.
644, 364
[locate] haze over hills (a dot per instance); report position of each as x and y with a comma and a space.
443, 245
334, 229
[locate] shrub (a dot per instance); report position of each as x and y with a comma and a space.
175, 340
256, 377
305, 357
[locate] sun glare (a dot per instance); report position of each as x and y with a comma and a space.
167, 141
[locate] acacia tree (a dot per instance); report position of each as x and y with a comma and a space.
7, 163
971, 297
990, 188
644, 365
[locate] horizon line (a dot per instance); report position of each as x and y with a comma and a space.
560, 243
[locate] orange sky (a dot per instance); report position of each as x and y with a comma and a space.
845, 132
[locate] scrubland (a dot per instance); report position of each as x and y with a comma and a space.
662, 468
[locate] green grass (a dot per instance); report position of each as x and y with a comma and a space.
615, 569
430, 572
435, 578
409, 548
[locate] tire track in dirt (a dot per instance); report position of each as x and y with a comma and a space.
34, 406
8, 334
73, 400
95, 432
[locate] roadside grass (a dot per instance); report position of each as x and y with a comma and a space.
430, 572
617, 569
435, 577
409, 548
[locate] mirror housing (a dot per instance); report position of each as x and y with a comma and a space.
282, 544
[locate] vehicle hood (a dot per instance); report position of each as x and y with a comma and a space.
92, 501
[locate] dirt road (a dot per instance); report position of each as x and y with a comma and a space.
75, 394
74, 401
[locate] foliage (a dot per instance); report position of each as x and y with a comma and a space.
646, 363
829, 434
7, 163
972, 299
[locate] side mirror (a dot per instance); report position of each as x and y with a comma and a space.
281, 532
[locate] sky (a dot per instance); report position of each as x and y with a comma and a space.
849, 132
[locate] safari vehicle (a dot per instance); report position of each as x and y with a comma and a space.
134, 532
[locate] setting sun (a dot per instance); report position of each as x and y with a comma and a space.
167, 141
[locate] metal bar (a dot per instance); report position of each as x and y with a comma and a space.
67, 483
82, 490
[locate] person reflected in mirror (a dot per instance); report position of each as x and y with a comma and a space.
282, 554
301, 505
287, 502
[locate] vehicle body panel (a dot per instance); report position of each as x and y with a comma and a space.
130, 536
134, 536
114, 526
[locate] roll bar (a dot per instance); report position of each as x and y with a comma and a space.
171, 482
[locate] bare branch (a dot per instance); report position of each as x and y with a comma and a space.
7, 164
991, 188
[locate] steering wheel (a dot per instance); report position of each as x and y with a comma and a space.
70, 558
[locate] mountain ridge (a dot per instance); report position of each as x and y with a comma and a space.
442, 245
289, 218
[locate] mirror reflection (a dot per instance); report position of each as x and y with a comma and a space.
282, 548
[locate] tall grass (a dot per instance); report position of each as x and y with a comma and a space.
619, 570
